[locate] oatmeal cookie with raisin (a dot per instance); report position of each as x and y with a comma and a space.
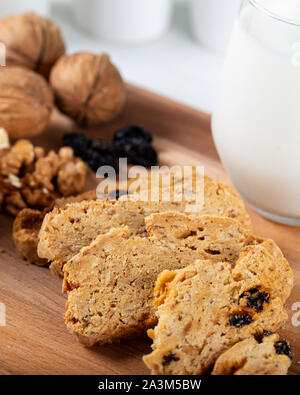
206, 308
110, 283
264, 355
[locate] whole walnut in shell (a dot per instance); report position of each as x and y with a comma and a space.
26, 102
31, 41
88, 88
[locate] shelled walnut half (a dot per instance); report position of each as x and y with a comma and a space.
31, 179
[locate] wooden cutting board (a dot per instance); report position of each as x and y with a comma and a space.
35, 339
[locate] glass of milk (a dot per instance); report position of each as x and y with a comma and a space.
256, 123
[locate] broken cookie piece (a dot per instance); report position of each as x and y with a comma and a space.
253, 357
28, 223
110, 283
25, 235
266, 262
201, 315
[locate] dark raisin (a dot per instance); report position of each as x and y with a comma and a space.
134, 143
79, 142
169, 358
97, 159
95, 153
142, 154
256, 299
260, 337
282, 347
134, 134
240, 320
101, 145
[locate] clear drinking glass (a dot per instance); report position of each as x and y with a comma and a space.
256, 123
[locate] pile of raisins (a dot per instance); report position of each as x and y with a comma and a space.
132, 142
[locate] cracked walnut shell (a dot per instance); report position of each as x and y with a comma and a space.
26, 102
31, 41
88, 88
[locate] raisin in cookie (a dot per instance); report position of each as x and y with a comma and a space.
202, 314
110, 283
265, 355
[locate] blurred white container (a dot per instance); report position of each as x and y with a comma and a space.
18, 6
212, 22
125, 21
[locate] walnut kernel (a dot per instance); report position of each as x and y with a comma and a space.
71, 178
30, 179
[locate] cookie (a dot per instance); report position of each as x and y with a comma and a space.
110, 283
28, 223
26, 229
185, 231
202, 311
265, 355
65, 231
63, 202
218, 199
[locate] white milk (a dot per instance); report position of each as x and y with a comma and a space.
256, 124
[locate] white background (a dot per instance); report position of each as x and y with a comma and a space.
175, 65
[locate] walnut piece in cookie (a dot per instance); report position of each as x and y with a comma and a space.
25, 235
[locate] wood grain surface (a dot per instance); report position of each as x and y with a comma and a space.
35, 339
